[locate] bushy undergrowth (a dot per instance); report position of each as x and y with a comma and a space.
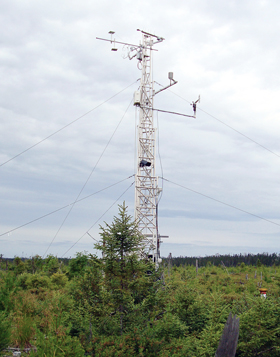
181, 314
122, 306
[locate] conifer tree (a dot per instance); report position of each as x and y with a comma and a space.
125, 266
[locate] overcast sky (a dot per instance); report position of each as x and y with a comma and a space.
54, 71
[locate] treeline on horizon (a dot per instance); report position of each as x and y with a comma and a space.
227, 260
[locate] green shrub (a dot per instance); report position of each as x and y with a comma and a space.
59, 280
37, 281
23, 331
8, 285
51, 265
22, 280
57, 344
77, 265
5, 331
19, 266
169, 327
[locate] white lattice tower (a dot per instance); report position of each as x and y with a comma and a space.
146, 181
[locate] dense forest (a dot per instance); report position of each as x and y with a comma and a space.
229, 260
121, 305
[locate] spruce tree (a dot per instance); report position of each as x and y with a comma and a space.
125, 267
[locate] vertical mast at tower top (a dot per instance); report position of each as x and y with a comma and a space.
146, 181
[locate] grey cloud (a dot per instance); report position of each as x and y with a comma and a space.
53, 70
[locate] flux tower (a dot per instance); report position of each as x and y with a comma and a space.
146, 182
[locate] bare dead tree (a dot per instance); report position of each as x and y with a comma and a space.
228, 342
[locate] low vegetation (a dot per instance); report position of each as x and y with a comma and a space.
121, 306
